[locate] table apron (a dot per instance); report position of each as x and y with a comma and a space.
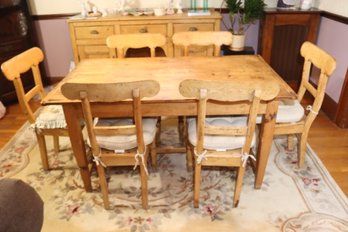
124, 109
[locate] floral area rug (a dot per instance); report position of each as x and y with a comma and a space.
14, 155
290, 199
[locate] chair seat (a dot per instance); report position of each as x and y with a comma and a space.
289, 111
51, 117
126, 142
217, 142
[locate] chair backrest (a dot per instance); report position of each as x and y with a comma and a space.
317, 57
111, 92
228, 92
18, 65
202, 38
122, 42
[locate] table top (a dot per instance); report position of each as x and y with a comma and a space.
169, 72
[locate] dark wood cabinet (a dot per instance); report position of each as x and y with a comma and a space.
16, 35
226, 51
282, 33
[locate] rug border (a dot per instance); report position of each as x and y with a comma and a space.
15, 136
7, 146
335, 188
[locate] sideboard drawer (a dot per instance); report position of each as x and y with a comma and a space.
92, 51
96, 32
193, 27
143, 28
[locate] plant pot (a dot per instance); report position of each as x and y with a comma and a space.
238, 43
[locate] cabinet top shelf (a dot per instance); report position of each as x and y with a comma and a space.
291, 11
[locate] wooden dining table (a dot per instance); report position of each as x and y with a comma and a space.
169, 72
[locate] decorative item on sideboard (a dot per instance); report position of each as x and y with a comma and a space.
195, 11
241, 17
306, 4
294, 4
193, 5
159, 11
286, 4
179, 7
170, 8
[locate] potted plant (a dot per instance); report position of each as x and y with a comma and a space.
242, 15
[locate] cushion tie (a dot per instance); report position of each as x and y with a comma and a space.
34, 128
201, 156
97, 160
310, 108
244, 157
141, 156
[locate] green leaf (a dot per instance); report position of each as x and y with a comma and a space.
241, 16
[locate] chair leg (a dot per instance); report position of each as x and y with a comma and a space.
144, 187
197, 185
56, 144
103, 186
238, 186
158, 132
153, 154
189, 157
181, 128
189, 148
43, 150
302, 149
291, 142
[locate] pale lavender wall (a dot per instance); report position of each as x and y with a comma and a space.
333, 37
54, 39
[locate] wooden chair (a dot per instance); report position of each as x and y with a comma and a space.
122, 42
291, 118
224, 141
51, 120
203, 39
117, 142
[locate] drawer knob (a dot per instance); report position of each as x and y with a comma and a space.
143, 30
193, 29
94, 32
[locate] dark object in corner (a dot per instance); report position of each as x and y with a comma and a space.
17, 34
21, 208
285, 4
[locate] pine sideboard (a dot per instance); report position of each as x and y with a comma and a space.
88, 35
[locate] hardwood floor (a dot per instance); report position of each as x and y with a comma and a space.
326, 139
12, 121
331, 145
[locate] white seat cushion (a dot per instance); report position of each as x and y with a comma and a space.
125, 142
50, 117
289, 111
217, 142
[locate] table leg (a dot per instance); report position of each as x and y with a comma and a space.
265, 144
72, 112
